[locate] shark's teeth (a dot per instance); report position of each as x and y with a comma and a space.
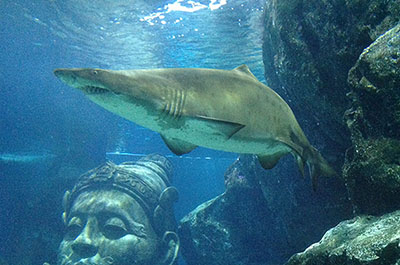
94, 90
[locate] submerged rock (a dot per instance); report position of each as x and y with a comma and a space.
375, 83
233, 228
309, 47
262, 218
372, 168
364, 240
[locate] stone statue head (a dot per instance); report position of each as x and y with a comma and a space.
121, 214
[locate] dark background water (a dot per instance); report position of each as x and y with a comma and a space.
50, 133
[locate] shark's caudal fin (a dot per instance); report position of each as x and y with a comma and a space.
317, 166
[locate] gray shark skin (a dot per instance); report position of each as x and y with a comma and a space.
225, 110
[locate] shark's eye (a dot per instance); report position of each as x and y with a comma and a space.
95, 72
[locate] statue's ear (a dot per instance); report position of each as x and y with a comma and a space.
66, 203
171, 244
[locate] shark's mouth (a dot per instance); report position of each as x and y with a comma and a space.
94, 90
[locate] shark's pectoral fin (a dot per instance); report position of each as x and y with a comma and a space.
226, 128
269, 161
178, 147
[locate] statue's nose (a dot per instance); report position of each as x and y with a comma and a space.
85, 244
84, 250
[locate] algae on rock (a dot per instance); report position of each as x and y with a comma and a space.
309, 47
364, 240
372, 168
263, 218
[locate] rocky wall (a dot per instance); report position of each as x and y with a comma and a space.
263, 218
372, 168
308, 49
336, 63
364, 240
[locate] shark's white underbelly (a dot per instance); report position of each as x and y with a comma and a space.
193, 131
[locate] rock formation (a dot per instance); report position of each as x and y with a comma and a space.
372, 168
309, 47
364, 240
322, 57
262, 218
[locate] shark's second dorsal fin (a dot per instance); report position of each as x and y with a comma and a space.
246, 70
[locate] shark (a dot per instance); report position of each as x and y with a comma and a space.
228, 110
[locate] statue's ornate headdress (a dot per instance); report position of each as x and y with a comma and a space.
147, 181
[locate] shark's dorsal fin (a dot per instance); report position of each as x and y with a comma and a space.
178, 147
246, 70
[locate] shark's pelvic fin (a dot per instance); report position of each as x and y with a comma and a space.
269, 161
178, 147
246, 70
226, 128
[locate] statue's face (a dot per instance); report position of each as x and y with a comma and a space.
108, 227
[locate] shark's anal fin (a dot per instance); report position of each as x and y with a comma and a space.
223, 127
269, 161
178, 147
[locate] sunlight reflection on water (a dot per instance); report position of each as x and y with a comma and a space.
152, 34
177, 6
133, 34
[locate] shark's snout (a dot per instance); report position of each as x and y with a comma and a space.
65, 75
58, 72
79, 78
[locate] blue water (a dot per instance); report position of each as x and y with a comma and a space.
50, 133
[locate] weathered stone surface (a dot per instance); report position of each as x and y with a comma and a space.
375, 82
372, 168
233, 228
364, 240
309, 47
264, 217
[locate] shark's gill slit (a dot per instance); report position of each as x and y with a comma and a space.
171, 100
167, 106
177, 102
181, 102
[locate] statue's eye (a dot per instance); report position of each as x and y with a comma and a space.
114, 228
95, 72
74, 228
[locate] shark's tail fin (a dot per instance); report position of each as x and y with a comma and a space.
317, 166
